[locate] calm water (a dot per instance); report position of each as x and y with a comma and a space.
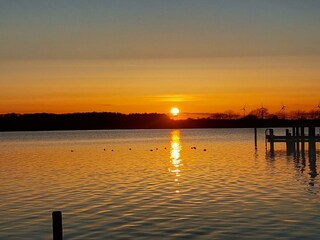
107, 191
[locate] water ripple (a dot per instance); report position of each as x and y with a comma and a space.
229, 191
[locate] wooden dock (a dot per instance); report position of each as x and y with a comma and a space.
295, 139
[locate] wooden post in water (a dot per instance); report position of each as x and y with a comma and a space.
255, 138
312, 141
57, 225
293, 132
271, 141
302, 141
289, 142
298, 140
312, 153
293, 141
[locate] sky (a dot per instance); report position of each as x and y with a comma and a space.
150, 55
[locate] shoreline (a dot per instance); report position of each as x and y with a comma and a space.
114, 121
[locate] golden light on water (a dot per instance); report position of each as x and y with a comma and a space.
175, 158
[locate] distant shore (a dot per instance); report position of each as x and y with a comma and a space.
106, 120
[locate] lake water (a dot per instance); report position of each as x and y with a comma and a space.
162, 188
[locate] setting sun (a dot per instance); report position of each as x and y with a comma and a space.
175, 111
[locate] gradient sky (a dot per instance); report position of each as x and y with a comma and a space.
150, 55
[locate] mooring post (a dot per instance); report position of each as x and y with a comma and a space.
302, 141
288, 142
293, 132
255, 138
298, 141
57, 225
271, 135
312, 141
297, 134
293, 141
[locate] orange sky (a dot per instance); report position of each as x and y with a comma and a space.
144, 85
148, 56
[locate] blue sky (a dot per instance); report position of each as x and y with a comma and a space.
158, 29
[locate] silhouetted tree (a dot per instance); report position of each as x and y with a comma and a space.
225, 115
261, 113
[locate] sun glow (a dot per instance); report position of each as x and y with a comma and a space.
175, 111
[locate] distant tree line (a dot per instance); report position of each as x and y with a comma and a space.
263, 113
107, 120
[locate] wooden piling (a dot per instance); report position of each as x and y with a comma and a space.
312, 141
255, 138
297, 142
293, 141
57, 225
271, 141
302, 140
293, 132
289, 142
312, 132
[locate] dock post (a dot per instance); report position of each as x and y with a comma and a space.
298, 141
312, 141
302, 141
255, 138
288, 142
271, 141
293, 132
57, 225
293, 141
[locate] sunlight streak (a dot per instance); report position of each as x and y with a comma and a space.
175, 157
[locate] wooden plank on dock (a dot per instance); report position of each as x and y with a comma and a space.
275, 138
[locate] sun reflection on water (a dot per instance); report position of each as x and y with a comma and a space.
175, 158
